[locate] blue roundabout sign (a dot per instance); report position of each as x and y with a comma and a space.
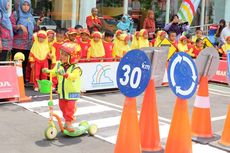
182, 75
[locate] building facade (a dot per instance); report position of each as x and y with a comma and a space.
68, 13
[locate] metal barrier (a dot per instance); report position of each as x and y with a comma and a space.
205, 29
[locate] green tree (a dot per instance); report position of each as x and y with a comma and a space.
146, 4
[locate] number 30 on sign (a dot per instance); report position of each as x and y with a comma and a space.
133, 73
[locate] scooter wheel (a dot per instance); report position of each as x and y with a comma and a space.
51, 133
84, 123
92, 129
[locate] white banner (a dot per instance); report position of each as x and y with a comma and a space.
98, 76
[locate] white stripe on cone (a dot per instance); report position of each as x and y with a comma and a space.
202, 102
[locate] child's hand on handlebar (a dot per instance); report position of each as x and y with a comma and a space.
61, 71
45, 70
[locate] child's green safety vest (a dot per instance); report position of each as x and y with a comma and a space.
69, 89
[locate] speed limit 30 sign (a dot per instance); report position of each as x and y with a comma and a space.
133, 73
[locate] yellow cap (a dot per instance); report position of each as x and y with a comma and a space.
19, 56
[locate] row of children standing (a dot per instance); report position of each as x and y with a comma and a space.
192, 45
93, 47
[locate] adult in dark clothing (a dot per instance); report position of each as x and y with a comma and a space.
221, 26
176, 25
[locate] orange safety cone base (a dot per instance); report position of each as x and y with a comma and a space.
224, 142
204, 141
218, 145
25, 99
149, 126
128, 139
179, 138
161, 151
225, 138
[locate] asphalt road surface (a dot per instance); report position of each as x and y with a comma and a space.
23, 124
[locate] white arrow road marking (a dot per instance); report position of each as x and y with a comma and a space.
186, 59
177, 60
186, 92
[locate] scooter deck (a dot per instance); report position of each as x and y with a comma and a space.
78, 132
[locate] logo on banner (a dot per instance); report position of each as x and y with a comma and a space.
102, 76
221, 73
4, 84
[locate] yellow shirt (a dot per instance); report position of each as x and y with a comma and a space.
96, 49
184, 48
123, 48
39, 51
225, 47
194, 38
142, 42
135, 44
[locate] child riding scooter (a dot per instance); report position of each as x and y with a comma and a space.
68, 74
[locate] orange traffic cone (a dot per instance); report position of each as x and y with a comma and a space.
225, 138
201, 117
149, 126
224, 142
179, 139
128, 139
22, 95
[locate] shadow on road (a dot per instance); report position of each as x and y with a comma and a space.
60, 141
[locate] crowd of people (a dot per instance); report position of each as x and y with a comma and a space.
42, 48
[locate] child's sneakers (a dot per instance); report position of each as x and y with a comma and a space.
36, 89
68, 127
53, 89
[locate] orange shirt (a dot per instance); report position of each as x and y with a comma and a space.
108, 46
90, 20
196, 51
84, 48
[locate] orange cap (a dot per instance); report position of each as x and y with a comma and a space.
227, 37
71, 31
143, 32
183, 38
118, 32
86, 31
42, 34
125, 37
137, 33
97, 34
162, 33
50, 32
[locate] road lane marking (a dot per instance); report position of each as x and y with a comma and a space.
120, 107
104, 122
218, 118
220, 91
198, 148
82, 111
219, 94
